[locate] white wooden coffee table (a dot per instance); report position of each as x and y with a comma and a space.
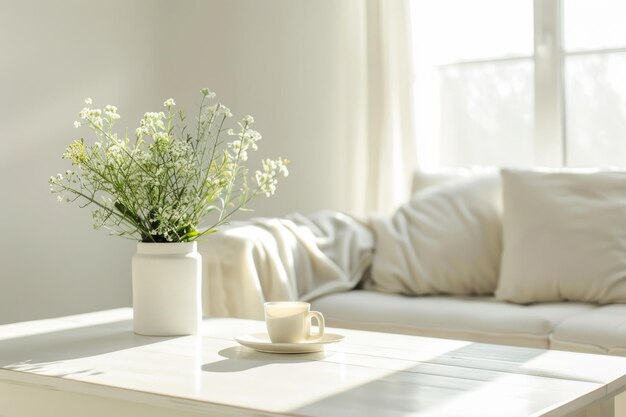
92, 365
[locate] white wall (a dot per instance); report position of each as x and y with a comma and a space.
289, 64
286, 62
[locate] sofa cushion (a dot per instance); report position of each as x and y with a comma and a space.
564, 237
601, 330
478, 319
445, 240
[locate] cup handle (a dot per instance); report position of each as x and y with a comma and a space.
320, 323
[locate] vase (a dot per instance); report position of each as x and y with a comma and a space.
167, 282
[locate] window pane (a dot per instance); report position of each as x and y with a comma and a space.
486, 114
446, 31
596, 109
594, 24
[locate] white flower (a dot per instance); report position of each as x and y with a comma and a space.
111, 112
208, 93
60, 198
152, 121
76, 124
161, 137
248, 119
266, 179
88, 101
225, 110
169, 103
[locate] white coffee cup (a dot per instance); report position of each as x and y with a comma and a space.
290, 321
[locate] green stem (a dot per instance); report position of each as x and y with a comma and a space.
235, 171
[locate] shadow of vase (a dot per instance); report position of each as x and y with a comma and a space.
30, 352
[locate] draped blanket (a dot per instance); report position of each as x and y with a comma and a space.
294, 258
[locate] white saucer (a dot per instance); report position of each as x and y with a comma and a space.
262, 343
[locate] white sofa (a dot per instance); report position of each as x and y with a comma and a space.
570, 326
234, 287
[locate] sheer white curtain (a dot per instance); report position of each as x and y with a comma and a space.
387, 155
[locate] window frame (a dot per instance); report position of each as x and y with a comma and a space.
549, 92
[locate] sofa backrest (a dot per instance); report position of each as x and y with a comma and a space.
426, 179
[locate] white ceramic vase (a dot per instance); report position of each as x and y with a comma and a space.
167, 282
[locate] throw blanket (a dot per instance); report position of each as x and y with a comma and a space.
295, 258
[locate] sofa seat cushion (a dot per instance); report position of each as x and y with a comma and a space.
601, 330
478, 319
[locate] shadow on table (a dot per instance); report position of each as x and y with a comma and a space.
33, 352
457, 381
239, 359
447, 382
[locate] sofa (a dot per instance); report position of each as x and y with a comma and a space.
283, 259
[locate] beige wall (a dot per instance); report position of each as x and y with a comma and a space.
286, 62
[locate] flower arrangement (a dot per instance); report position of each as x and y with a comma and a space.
160, 187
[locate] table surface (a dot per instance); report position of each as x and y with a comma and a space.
368, 374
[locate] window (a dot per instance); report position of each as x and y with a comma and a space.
509, 82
